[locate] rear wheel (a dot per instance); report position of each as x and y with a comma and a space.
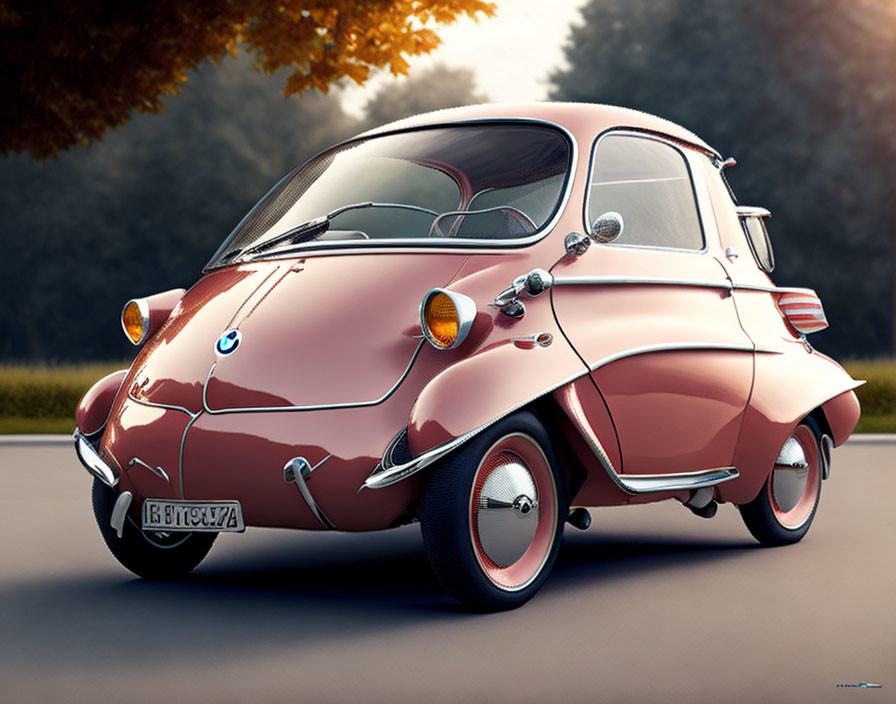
786, 506
492, 515
148, 554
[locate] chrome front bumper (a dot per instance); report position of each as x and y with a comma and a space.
92, 461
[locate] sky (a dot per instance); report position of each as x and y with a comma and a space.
511, 53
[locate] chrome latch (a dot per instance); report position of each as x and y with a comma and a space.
533, 284
576, 244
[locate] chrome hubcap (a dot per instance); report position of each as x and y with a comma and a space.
523, 505
790, 476
507, 511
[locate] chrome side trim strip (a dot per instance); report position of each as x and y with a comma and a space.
646, 483
378, 480
571, 398
676, 347
120, 511
295, 467
723, 285
639, 281
92, 461
386, 477
323, 407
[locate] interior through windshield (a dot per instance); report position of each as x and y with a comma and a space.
475, 182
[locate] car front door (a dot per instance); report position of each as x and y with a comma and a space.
652, 314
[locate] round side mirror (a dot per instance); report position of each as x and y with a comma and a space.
607, 228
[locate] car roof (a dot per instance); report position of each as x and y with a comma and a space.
582, 119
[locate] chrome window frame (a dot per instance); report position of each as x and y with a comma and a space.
636, 134
745, 213
447, 244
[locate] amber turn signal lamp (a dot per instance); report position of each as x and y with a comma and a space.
442, 322
446, 318
135, 320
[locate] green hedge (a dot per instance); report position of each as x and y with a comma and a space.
878, 395
47, 392
42, 399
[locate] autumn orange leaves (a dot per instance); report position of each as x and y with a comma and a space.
72, 71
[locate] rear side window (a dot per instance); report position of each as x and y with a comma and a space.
757, 235
647, 182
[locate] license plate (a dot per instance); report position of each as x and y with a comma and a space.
204, 516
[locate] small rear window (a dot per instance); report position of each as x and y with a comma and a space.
757, 235
648, 182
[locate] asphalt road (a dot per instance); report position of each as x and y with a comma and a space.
651, 604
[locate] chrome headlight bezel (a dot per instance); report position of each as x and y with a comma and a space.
143, 307
466, 314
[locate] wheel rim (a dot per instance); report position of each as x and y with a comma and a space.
793, 485
513, 512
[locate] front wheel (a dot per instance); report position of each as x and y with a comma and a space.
784, 509
148, 554
492, 515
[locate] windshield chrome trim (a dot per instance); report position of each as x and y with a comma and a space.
320, 407
391, 248
443, 242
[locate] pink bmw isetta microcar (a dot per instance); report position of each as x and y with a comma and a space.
487, 320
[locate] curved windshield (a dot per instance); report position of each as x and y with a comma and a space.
482, 182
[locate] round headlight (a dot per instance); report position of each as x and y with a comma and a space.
446, 318
135, 320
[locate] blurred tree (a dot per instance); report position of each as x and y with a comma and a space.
855, 45
436, 88
800, 93
72, 71
143, 210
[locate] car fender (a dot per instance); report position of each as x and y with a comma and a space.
842, 413
788, 387
483, 388
95, 405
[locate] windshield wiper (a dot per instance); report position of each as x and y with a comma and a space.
319, 225
293, 235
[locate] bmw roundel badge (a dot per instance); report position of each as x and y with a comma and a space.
228, 342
